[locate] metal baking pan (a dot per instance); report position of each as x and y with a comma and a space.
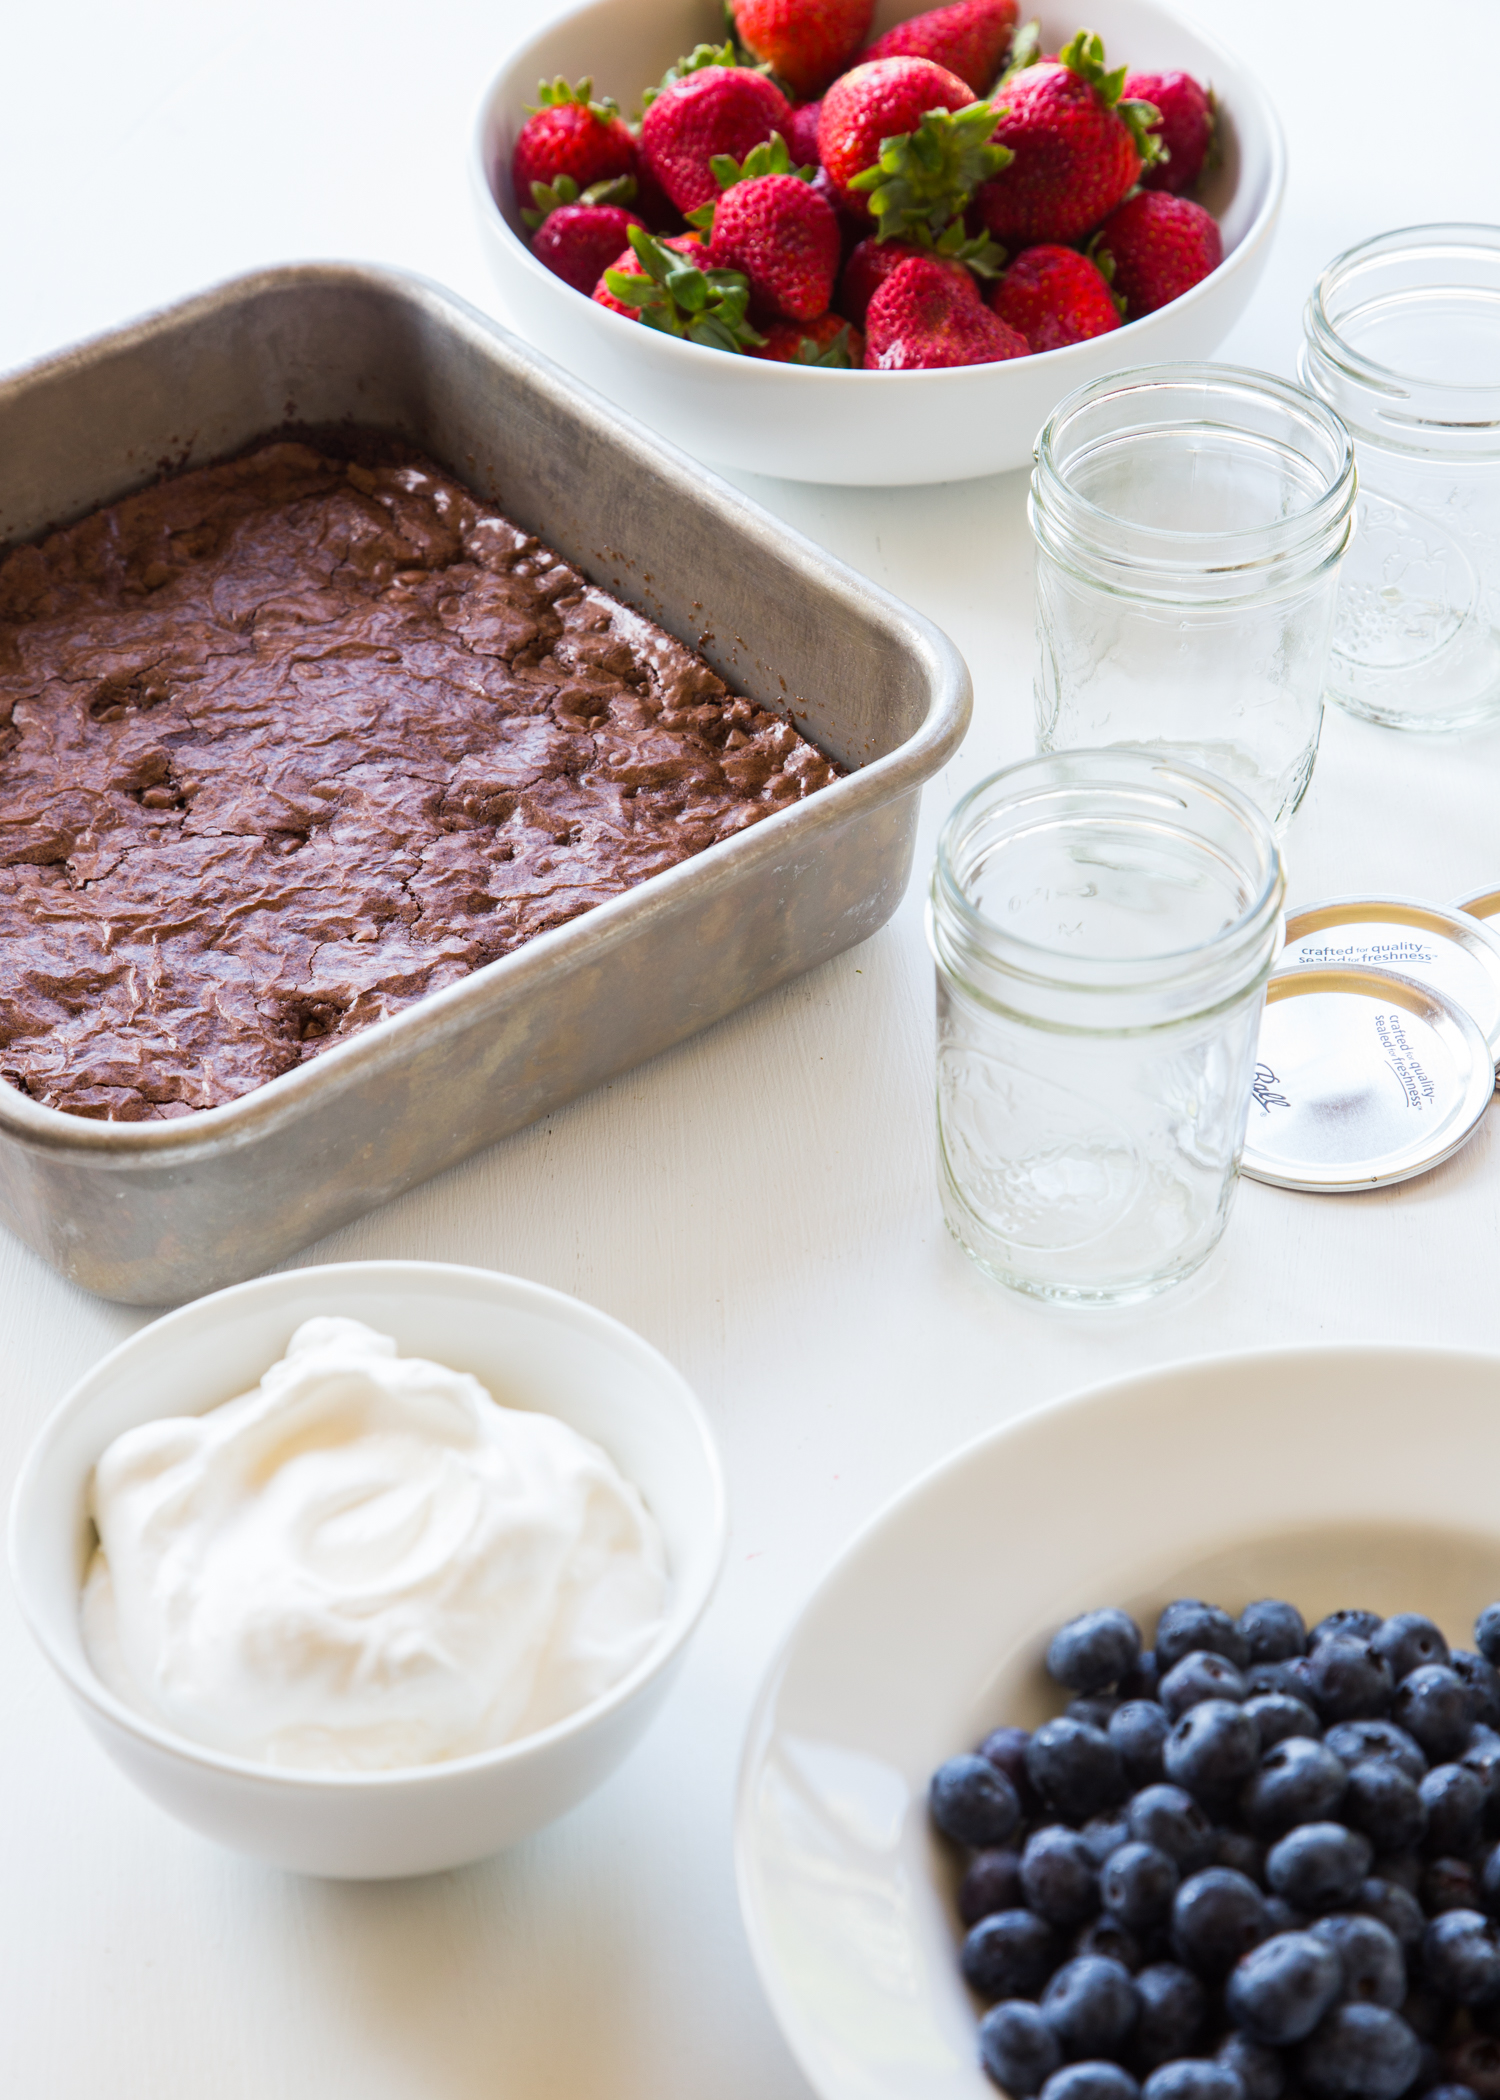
152, 1213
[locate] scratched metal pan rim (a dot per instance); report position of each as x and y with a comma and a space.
1363, 1079
1440, 945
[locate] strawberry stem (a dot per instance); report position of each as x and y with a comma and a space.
924, 178
676, 297
548, 197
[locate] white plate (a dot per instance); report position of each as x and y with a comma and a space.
1333, 1476
858, 427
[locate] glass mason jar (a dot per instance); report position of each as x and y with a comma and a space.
1189, 523
1403, 339
1103, 924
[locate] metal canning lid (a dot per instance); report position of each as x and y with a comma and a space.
1436, 944
1486, 905
1363, 1078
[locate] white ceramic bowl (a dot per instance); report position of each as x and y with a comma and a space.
532, 1348
1336, 1476
857, 427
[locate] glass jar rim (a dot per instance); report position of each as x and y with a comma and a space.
1134, 771
1474, 235
1296, 528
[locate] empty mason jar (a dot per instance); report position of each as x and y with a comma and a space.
1189, 523
1103, 924
1403, 339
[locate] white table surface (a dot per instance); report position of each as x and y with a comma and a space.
760, 1203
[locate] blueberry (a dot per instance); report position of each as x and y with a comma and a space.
1101, 2081
1436, 1708
1396, 1908
1105, 1834
1374, 1967
1319, 1866
1289, 1679
1138, 1730
1172, 2007
1246, 1854
1449, 1884
1277, 1715
1006, 1749
1009, 1954
1095, 1712
1483, 1680
1217, 1916
1348, 1681
1404, 1868
1481, 1755
1386, 1804
1190, 1623
1212, 1750
1059, 1878
1282, 1916
1141, 1682
1169, 1817
1460, 1958
1018, 2048
1354, 1741
972, 1802
1199, 1676
1489, 1881
1273, 1631
1138, 1884
1108, 1936
1360, 2052
1474, 2062
1090, 2005
1456, 2092
1095, 1651
1280, 1990
1299, 1781
1193, 2078
1260, 2071
993, 1882
1487, 1634
1075, 1769
1454, 1798
1407, 1641
1345, 1626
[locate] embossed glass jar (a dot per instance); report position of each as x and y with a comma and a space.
1189, 522
1103, 924
1403, 339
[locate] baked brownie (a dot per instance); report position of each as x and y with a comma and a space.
287, 743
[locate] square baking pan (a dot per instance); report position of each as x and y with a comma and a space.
155, 1212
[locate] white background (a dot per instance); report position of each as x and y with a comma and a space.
760, 1204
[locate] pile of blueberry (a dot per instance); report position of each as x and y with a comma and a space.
1253, 1863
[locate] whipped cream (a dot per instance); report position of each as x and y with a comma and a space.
365, 1563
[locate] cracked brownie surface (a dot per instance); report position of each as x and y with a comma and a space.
286, 744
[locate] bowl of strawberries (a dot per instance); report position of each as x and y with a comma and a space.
864, 243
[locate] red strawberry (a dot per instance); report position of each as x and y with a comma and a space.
578, 242
910, 137
1160, 246
828, 341
802, 134
923, 317
866, 271
568, 134
1186, 128
1055, 296
1077, 149
713, 109
969, 38
804, 42
786, 240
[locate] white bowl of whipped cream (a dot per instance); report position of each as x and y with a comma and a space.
372, 1569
